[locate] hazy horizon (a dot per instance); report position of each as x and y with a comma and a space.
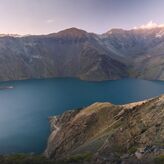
48, 16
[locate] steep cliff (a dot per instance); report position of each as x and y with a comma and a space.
107, 133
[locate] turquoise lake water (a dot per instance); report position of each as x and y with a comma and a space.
24, 110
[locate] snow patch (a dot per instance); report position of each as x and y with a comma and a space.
160, 34
150, 25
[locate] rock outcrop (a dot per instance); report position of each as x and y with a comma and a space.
107, 133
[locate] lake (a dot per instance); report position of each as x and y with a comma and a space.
24, 110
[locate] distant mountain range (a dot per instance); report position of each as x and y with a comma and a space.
116, 54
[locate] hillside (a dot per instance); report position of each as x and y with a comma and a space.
107, 133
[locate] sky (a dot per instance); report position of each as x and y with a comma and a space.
98, 16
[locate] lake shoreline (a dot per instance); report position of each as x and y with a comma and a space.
65, 77
26, 108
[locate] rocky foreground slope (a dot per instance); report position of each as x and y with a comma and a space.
107, 133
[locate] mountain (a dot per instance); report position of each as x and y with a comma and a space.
69, 53
73, 52
142, 50
109, 134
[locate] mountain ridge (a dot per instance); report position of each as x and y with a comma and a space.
76, 53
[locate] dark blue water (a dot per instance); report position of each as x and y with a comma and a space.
24, 110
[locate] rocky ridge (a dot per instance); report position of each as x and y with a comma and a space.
107, 133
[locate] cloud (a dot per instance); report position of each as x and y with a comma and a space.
49, 21
150, 25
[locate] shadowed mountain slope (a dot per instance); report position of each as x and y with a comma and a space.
76, 53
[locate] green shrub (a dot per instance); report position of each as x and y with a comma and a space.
159, 159
132, 150
80, 157
25, 159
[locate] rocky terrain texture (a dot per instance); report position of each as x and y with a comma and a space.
108, 134
76, 53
